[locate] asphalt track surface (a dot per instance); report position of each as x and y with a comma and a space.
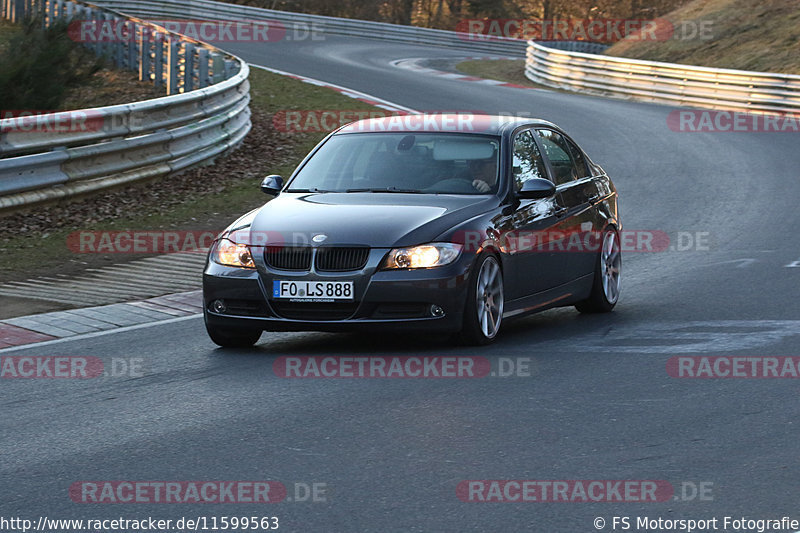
598, 405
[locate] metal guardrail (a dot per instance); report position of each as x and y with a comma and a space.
737, 90
56, 155
211, 10
587, 47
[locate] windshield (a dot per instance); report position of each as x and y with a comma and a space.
401, 162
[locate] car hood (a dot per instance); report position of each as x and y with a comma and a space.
377, 220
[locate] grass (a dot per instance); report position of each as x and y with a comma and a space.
46, 252
760, 36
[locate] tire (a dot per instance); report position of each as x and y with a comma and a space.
483, 313
607, 276
233, 338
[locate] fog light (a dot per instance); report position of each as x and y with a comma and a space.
218, 306
437, 311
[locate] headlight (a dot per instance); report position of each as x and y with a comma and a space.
229, 253
424, 256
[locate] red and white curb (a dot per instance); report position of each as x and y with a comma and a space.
413, 64
55, 326
344, 91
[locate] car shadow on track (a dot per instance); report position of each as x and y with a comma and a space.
517, 335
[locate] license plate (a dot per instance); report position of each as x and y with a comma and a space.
313, 291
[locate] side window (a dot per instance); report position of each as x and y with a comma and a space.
558, 151
527, 163
580, 161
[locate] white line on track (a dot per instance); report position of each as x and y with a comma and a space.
99, 333
352, 93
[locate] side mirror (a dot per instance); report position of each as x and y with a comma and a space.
537, 188
272, 184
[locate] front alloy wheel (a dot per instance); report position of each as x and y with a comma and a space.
484, 311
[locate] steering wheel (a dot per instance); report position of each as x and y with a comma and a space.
452, 185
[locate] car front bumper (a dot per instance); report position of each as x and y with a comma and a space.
383, 299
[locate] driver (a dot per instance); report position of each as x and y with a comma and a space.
483, 173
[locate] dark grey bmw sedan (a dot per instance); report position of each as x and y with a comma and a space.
450, 223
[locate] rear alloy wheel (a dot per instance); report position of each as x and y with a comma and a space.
233, 338
484, 310
606, 286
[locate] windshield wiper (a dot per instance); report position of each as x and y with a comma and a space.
312, 189
386, 189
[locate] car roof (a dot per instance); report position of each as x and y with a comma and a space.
442, 123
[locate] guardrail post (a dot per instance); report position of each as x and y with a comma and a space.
97, 21
92, 16
158, 59
144, 53
188, 67
173, 63
128, 58
51, 12
118, 43
18, 11
106, 44
133, 43
77, 14
230, 68
217, 68
202, 68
